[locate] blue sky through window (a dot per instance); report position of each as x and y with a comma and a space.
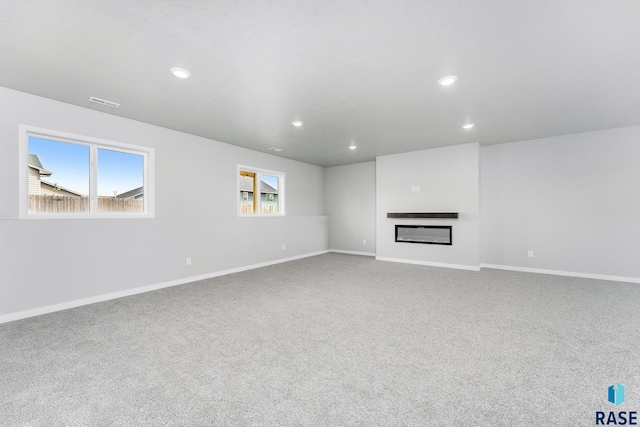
68, 162
117, 171
270, 179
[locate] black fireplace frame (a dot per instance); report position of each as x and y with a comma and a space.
449, 227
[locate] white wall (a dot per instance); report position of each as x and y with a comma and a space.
350, 199
449, 182
574, 200
196, 214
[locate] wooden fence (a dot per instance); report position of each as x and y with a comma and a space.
247, 208
70, 204
109, 204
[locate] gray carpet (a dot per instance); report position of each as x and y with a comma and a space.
331, 340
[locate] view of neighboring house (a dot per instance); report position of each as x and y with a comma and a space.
136, 193
49, 189
268, 195
39, 187
36, 172
47, 197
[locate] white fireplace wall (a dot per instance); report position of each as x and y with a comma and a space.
437, 180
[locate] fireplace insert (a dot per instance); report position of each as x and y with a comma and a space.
429, 234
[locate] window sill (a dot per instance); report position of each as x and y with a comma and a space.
240, 215
93, 216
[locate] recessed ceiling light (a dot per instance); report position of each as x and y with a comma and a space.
468, 125
447, 80
297, 123
277, 150
181, 73
353, 146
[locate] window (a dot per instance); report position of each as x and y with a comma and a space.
261, 192
65, 175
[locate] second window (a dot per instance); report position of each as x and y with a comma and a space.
260, 192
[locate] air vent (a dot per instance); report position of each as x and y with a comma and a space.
104, 102
277, 150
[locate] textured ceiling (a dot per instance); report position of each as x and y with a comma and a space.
362, 71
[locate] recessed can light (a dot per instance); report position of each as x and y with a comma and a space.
296, 123
353, 147
468, 125
277, 150
180, 73
447, 80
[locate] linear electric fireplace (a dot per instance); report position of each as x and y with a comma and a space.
430, 234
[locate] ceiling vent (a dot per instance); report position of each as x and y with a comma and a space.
104, 102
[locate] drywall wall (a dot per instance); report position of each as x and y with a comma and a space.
573, 200
350, 200
45, 262
448, 178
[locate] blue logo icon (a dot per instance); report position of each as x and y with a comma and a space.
616, 394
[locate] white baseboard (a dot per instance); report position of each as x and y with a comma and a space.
431, 264
128, 292
563, 273
338, 251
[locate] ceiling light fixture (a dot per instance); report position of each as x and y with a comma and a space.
296, 123
468, 125
180, 73
353, 146
447, 80
277, 150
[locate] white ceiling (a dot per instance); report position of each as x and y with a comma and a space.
362, 71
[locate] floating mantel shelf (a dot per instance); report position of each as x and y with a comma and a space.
422, 215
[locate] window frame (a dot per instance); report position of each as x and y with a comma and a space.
257, 199
94, 144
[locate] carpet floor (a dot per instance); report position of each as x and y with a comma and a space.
331, 340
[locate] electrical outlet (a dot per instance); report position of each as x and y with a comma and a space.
188, 261
283, 246
530, 254
413, 188
417, 188
364, 242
